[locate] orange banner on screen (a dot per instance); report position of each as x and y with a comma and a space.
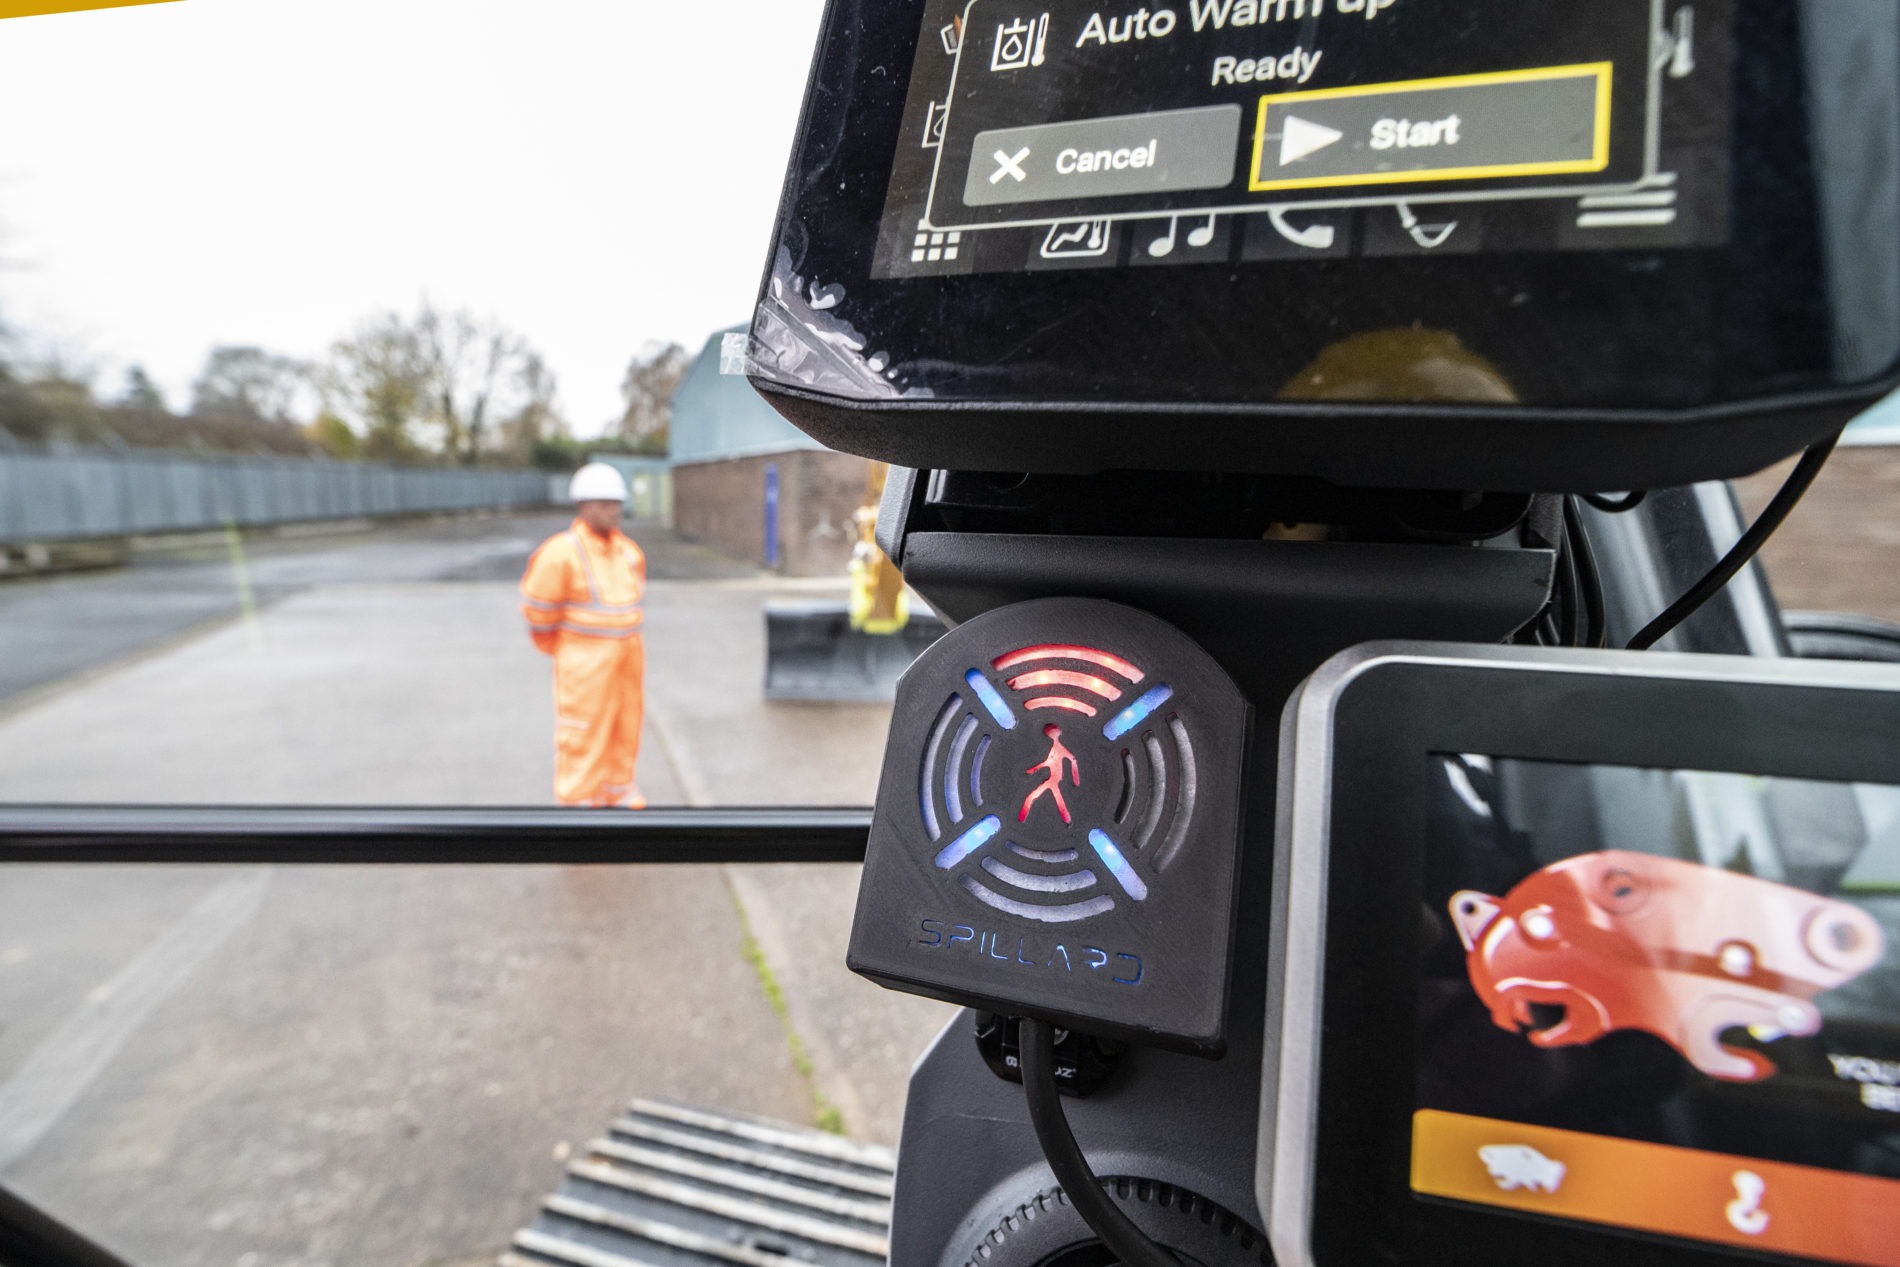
33, 8
1762, 1205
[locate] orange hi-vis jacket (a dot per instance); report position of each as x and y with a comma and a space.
582, 595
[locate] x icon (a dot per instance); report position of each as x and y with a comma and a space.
1008, 166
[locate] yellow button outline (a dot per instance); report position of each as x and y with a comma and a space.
1602, 72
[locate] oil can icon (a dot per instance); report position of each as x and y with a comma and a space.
1020, 44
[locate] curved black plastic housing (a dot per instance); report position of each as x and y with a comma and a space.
1655, 363
1057, 831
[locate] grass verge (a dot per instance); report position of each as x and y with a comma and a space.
824, 1114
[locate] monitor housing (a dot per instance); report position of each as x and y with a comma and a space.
1384, 243
1584, 957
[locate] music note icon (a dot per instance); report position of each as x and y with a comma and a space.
1160, 248
1199, 238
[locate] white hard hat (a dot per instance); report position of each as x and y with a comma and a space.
598, 482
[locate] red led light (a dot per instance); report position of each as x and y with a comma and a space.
1062, 677
1114, 664
1057, 701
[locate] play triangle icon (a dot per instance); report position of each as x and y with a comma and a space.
1300, 138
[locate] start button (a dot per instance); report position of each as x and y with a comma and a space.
1466, 127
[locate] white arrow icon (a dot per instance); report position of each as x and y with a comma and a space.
1300, 138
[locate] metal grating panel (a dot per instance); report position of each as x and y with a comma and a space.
675, 1186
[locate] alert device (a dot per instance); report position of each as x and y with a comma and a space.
1585, 957
1057, 829
1476, 244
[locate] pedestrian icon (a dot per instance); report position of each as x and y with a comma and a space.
1020, 44
1053, 765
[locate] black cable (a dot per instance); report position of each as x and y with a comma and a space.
1799, 481
1557, 625
1117, 1231
1590, 576
1617, 505
1573, 589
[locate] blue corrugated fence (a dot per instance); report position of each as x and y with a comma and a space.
76, 496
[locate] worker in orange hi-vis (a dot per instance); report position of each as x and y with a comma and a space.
582, 595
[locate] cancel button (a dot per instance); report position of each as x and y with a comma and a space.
1070, 162
1102, 158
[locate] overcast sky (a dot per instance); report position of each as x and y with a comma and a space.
595, 173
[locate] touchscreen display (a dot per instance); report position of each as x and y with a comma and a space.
1073, 134
1666, 1001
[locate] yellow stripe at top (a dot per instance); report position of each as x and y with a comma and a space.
34, 8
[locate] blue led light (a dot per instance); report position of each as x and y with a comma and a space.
1118, 866
969, 842
1137, 712
999, 708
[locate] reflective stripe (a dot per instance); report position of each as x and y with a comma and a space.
587, 632
538, 605
593, 587
587, 566
534, 627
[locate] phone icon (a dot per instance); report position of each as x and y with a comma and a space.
1314, 237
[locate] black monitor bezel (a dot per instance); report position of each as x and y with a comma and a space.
1356, 771
851, 115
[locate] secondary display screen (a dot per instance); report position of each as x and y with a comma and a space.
1070, 134
1666, 1001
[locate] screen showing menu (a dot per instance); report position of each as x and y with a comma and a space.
1069, 134
1667, 1001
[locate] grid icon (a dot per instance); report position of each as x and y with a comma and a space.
933, 248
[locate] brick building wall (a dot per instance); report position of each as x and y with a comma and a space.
1840, 549
722, 504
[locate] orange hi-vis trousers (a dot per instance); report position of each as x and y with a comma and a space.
581, 597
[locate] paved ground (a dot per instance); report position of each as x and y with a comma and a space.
379, 1066
55, 627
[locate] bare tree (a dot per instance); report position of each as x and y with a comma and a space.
652, 377
49, 393
535, 420
249, 382
141, 392
379, 378
445, 381
475, 373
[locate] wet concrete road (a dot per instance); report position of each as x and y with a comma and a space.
58, 626
313, 1066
